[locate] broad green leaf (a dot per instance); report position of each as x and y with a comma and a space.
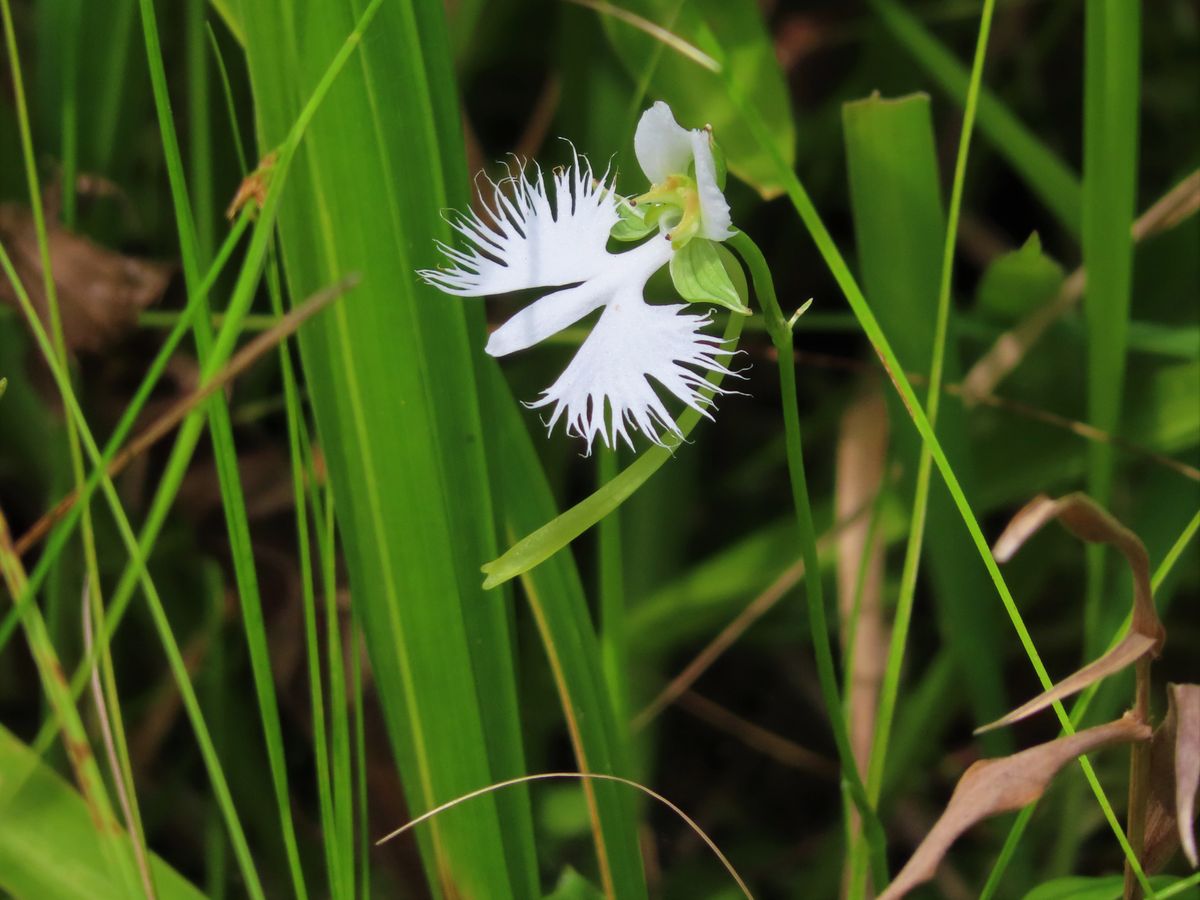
699, 274
732, 31
49, 846
1018, 282
894, 178
392, 382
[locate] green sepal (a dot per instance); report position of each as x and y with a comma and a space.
705, 272
635, 223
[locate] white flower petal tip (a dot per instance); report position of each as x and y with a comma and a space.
662, 147
682, 170
529, 236
606, 390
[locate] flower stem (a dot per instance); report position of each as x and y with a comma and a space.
781, 336
1139, 780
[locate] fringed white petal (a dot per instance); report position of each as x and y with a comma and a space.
606, 389
661, 145
548, 315
523, 240
714, 211
545, 317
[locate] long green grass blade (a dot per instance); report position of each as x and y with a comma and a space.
1112, 85
391, 377
192, 239
1045, 173
892, 163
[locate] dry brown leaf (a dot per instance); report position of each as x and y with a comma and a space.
1089, 522
100, 292
1174, 780
861, 469
253, 187
993, 786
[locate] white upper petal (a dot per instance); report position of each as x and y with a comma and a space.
662, 146
523, 241
714, 210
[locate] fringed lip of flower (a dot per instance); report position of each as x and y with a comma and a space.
535, 232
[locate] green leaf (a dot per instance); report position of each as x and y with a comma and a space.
700, 276
392, 378
49, 846
573, 886
1107, 887
1018, 282
1112, 78
698, 96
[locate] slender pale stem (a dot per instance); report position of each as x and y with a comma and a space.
781, 336
1139, 780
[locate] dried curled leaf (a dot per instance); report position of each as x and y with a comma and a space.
1174, 780
254, 186
1089, 522
994, 786
100, 292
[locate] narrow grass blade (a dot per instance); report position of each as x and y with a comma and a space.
1112, 82
893, 173
1049, 177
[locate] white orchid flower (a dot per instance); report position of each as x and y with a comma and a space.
528, 239
683, 173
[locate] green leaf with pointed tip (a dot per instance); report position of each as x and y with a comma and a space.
700, 276
1018, 282
573, 886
